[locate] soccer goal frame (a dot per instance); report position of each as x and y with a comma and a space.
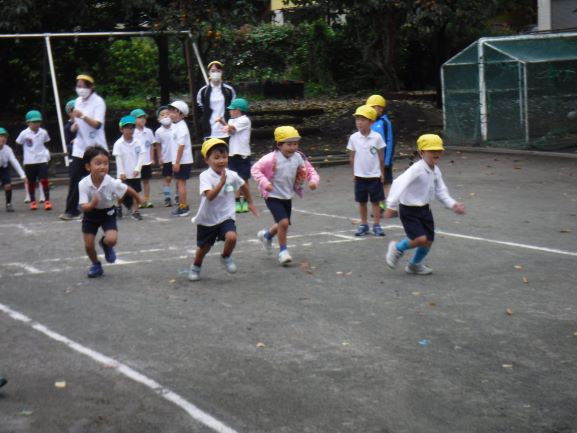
189, 46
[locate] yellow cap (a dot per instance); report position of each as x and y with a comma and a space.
430, 142
366, 111
209, 144
377, 100
215, 62
85, 77
286, 134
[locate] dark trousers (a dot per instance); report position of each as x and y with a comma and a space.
77, 172
135, 184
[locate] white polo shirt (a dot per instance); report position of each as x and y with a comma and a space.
164, 137
109, 191
239, 143
129, 157
181, 137
286, 169
86, 136
366, 148
417, 186
35, 151
146, 136
7, 157
211, 213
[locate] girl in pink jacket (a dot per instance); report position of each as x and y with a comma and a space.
279, 175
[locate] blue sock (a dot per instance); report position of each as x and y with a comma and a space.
419, 255
268, 236
282, 248
403, 245
166, 191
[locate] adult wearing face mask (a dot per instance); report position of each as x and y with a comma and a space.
213, 100
89, 112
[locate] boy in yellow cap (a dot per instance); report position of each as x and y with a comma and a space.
410, 195
215, 218
366, 157
384, 128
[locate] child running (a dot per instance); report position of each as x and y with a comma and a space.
279, 174
7, 158
411, 194
36, 156
129, 156
216, 213
98, 194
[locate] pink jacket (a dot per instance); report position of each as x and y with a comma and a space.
263, 173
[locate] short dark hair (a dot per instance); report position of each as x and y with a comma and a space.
92, 152
217, 147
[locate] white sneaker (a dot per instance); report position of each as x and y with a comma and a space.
284, 258
266, 243
194, 273
228, 264
419, 269
393, 255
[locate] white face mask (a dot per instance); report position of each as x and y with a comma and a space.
216, 76
165, 121
83, 92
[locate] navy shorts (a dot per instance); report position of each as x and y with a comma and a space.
35, 172
417, 221
167, 169
5, 176
208, 235
105, 218
135, 184
369, 188
388, 174
184, 172
240, 165
146, 172
279, 208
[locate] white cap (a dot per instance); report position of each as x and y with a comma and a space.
180, 106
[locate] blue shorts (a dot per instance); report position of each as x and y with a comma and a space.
146, 172
240, 165
417, 221
208, 235
36, 172
369, 188
167, 169
105, 218
184, 172
5, 176
279, 208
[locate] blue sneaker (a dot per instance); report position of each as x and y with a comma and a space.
109, 253
95, 270
181, 211
362, 230
378, 230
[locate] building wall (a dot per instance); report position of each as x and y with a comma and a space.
563, 14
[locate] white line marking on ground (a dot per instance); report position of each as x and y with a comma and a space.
196, 413
473, 238
28, 268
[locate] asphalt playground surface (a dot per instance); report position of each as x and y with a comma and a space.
336, 343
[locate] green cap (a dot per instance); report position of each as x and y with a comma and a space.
70, 105
127, 120
33, 116
3, 131
239, 104
138, 112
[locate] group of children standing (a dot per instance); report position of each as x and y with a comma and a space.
223, 186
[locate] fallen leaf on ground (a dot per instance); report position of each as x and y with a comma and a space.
345, 343
26, 413
518, 267
60, 384
260, 345
472, 194
432, 304
525, 280
565, 231
415, 293
509, 311
172, 281
355, 221
507, 365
